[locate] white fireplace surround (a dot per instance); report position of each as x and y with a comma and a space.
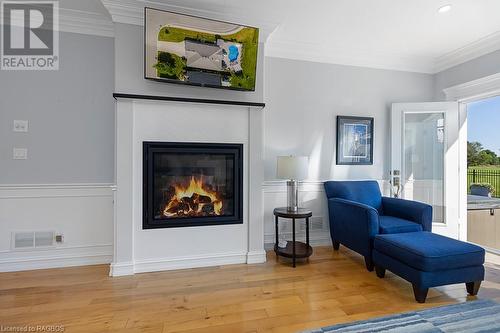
137, 250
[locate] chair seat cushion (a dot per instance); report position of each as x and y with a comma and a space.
429, 252
392, 225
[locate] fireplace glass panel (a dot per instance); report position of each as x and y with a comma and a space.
193, 185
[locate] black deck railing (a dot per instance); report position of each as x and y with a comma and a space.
484, 176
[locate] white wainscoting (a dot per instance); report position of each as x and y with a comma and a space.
312, 196
82, 213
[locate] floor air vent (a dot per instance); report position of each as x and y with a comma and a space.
33, 239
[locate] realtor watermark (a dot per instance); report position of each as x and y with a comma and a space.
30, 35
32, 328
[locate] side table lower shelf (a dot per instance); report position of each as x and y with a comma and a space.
302, 250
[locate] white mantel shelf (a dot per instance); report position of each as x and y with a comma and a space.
188, 100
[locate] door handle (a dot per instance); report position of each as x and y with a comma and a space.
396, 183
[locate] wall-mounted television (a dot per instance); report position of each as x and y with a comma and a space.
197, 51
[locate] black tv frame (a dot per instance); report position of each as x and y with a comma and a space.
190, 83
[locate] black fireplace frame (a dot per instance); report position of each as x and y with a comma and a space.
151, 147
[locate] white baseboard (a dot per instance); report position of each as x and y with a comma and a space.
166, 264
121, 269
11, 261
256, 257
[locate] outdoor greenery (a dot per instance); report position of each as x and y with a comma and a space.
483, 168
248, 37
170, 34
478, 156
170, 66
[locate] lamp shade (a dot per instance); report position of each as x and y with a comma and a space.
292, 167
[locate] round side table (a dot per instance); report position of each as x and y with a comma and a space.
293, 249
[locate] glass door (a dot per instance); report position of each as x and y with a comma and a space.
425, 160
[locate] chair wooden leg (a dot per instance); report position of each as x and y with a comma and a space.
420, 294
380, 271
369, 264
336, 245
473, 287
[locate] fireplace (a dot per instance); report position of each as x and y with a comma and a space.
192, 184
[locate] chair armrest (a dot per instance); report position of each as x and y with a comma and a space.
353, 217
414, 211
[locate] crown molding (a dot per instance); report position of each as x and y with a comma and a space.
125, 11
132, 12
478, 89
316, 52
470, 51
87, 23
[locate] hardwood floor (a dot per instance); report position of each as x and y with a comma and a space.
333, 287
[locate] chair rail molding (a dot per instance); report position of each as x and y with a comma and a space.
11, 191
485, 87
279, 186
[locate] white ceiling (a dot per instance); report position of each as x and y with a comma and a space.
396, 34
409, 33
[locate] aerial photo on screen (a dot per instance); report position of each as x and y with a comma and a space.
192, 50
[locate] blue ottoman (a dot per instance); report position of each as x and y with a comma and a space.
429, 260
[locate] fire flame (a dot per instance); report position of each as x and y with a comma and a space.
191, 200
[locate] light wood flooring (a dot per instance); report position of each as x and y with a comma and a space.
333, 287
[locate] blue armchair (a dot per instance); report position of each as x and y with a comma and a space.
358, 212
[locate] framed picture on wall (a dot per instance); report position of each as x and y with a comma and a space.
354, 140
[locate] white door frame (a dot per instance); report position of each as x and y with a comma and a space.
451, 225
464, 93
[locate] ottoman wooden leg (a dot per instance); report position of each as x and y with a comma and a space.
336, 245
380, 271
473, 287
369, 264
420, 294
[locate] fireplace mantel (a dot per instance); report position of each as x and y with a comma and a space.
140, 120
188, 100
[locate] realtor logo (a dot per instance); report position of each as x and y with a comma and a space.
30, 35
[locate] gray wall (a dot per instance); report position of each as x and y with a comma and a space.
486, 65
71, 111
302, 102
70, 114
129, 69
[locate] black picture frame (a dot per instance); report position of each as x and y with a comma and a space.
354, 140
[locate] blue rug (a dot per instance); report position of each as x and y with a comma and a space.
473, 316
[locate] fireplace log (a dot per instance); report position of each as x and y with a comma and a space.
191, 202
208, 209
179, 208
204, 199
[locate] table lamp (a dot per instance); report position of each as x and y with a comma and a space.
292, 168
